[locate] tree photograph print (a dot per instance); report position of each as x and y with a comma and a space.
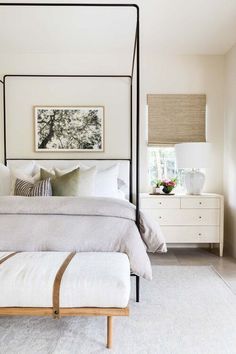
69, 128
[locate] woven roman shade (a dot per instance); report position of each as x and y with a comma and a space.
176, 118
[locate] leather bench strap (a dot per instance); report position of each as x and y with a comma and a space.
7, 257
57, 284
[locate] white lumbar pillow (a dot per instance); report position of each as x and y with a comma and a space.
24, 173
5, 180
86, 180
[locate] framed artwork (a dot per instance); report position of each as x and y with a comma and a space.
69, 128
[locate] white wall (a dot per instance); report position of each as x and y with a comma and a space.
22, 94
230, 152
188, 74
159, 74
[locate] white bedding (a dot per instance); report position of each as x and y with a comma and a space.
90, 280
79, 224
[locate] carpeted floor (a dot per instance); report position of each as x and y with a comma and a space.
184, 310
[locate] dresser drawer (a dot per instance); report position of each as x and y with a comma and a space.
191, 234
200, 203
160, 203
185, 216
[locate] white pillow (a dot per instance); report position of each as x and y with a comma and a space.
5, 180
25, 173
106, 184
86, 180
121, 194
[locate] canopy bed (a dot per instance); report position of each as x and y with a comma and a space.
118, 223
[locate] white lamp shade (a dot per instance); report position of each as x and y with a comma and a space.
192, 155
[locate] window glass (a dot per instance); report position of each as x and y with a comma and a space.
162, 165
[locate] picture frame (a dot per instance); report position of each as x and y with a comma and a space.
69, 128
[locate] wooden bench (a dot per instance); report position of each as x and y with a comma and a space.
65, 284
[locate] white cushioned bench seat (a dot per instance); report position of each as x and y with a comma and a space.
92, 279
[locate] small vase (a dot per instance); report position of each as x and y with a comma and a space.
166, 190
158, 190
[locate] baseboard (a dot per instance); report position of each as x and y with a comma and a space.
191, 245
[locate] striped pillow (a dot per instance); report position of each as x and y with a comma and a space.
39, 189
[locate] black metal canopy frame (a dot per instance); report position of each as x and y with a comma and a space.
135, 69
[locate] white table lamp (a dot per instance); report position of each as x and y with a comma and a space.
193, 156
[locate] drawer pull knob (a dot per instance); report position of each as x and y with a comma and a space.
159, 217
199, 234
199, 217
160, 203
200, 203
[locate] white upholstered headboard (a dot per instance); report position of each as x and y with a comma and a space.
124, 167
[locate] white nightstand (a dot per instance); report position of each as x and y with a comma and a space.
188, 218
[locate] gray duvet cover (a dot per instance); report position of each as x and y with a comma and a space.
79, 224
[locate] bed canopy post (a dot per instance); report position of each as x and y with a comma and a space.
138, 116
4, 125
4, 122
136, 55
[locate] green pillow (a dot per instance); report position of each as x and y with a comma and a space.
66, 185
44, 174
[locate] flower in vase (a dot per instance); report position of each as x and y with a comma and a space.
168, 185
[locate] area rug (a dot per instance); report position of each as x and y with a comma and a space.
184, 310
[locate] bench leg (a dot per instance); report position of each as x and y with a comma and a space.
109, 332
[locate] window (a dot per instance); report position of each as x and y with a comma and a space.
162, 164
173, 119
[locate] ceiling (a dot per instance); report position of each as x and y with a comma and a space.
189, 26
167, 26
66, 29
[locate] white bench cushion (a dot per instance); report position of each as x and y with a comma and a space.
91, 279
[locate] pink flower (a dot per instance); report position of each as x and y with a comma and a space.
169, 183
